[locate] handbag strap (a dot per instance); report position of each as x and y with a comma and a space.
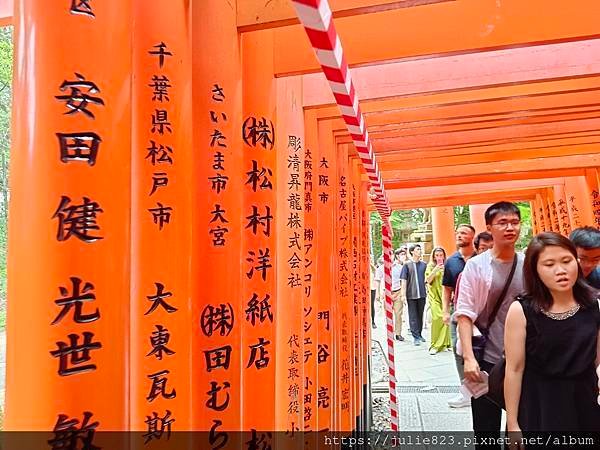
500, 299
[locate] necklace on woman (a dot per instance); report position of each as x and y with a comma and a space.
562, 315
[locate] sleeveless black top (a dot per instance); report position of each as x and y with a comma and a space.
560, 387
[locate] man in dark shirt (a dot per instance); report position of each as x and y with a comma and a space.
587, 242
413, 284
452, 269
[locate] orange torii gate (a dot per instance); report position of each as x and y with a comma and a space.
192, 206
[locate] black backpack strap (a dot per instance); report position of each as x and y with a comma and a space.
500, 298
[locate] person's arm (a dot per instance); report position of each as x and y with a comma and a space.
466, 314
598, 354
514, 348
404, 281
446, 296
430, 273
379, 283
465, 333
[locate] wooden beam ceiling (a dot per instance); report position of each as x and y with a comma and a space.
459, 27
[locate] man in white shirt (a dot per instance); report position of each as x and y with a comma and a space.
482, 282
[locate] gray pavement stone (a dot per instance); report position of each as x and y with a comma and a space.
421, 411
437, 404
446, 422
410, 419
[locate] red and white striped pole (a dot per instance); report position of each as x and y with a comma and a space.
389, 324
316, 17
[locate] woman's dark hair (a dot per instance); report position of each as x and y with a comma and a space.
537, 291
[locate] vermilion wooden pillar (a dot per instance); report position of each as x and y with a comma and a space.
161, 353
366, 305
442, 220
591, 177
310, 264
534, 218
546, 211
343, 306
325, 168
356, 275
289, 411
580, 210
562, 209
68, 250
259, 244
541, 216
552, 211
477, 215
220, 181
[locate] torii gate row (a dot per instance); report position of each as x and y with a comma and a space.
180, 226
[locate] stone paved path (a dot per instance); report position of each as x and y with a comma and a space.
425, 383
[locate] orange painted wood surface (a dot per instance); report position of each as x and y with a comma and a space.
68, 256
431, 30
562, 208
290, 274
259, 246
161, 230
442, 221
327, 390
310, 301
343, 292
221, 311
463, 71
256, 14
591, 177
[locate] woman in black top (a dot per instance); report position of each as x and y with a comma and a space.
552, 344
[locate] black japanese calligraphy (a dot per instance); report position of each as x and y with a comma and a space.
77, 220
159, 340
218, 318
157, 426
161, 215
218, 358
260, 263
213, 402
158, 299
259, 309
70, 434
76, 100
82, 7
161, 52
72, 355
159, 386
79, 147
258, 132
259, 356
75, 300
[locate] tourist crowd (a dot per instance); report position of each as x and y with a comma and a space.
530, 321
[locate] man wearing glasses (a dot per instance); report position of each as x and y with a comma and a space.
484, 283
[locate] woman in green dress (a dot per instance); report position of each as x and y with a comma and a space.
440, 332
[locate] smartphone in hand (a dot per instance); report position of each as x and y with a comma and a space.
477, 389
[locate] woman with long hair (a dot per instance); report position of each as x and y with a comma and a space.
552, 344
440, 332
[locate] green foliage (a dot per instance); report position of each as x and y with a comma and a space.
526, 226
6, 64
401, 220
461, 215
